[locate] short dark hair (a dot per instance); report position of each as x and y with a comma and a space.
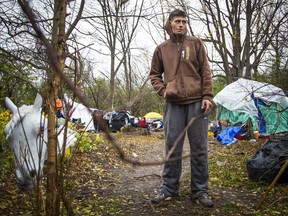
175, 13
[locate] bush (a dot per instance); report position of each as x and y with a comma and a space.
5, 116
87, 141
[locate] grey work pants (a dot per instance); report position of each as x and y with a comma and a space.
176, 117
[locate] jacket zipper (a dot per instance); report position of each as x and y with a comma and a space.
179, 75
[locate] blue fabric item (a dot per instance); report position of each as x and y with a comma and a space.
226, 136
261, 120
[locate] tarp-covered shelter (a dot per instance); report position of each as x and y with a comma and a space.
153, 115
80, 113
266, 105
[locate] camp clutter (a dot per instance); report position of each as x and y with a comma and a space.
86, 118
250, 109
246, 109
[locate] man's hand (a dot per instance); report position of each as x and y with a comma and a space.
206, 105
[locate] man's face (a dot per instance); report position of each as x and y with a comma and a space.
178, 25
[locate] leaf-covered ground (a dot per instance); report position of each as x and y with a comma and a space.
99, 183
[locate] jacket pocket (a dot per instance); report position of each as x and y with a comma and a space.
192, 86
173, 89
183, 87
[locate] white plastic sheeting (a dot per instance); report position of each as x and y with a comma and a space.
237, 96
79, 111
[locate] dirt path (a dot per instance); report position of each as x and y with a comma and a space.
148, 178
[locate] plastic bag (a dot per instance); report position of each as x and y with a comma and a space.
267, 162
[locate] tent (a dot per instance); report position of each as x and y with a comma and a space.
81, 113
153, 115
266, 105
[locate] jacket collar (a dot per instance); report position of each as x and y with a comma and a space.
177, 39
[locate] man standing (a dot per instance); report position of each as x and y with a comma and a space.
180, 73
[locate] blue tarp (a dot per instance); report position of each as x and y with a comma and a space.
261, 120
227, 136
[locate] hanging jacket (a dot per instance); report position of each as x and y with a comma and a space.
180, 68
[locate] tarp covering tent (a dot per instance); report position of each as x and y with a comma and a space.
153, 115
266, 105
79, 111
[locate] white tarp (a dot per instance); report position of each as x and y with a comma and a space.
79, 111
237, 96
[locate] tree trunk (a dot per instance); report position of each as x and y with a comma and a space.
58, 42
112, 83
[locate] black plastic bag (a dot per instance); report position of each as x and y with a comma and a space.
118, 121
267, 162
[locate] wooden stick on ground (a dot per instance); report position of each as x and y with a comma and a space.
272, 184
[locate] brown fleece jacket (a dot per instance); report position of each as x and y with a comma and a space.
180, 68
